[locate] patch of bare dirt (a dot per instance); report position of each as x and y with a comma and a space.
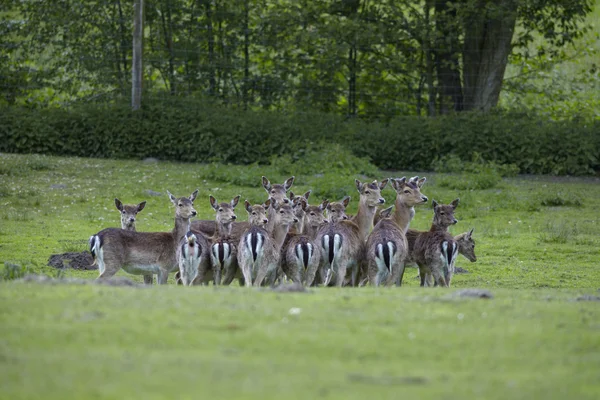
80, 261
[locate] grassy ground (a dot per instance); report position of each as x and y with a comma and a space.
538, 248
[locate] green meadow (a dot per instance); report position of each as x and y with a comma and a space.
538, 249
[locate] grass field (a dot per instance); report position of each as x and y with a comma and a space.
538, 248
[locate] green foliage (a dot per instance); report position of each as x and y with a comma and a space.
558, 232
195, 131
12, 271
560, 199
477, 174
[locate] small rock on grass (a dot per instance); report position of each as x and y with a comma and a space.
153, 193
475, 293
289, 287
588, 297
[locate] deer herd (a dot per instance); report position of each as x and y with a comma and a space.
285, 238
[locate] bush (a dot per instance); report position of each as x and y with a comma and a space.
195, 131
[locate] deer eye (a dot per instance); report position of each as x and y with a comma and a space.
367, 192
220, 210
123, 212
253, 213
281, 212
407, 191
180, 205
273, 191
312, 213
442, 213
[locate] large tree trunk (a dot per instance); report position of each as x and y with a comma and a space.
487, 44
447, 51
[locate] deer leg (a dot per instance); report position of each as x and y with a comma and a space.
107, 273
230, 271
260, 276
438, 277
162, 277
148, 279
423, 276
247, 272
341, 276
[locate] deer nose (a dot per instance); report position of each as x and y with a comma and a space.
193, 213
233, 217
131, 219
455, 221
381, 201
295, 219
265, 221
286, 200
345, 217
424, 199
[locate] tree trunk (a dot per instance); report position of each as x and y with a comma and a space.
487, 45
245, 86
352, 55
137, 67
429, 67
446, 58
212, 82
168, 34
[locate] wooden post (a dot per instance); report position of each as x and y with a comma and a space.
137, 67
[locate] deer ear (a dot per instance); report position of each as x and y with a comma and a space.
213, 202
247, 206
398, 183
267, 203
346, 201
304, 204
359, 185
193, 195
291, 195
119, 205
141, 206
454, 203
386, 212
266, 184
421, 182
235, 201
324, 205
383, 183
470, 233
307, 194
434, 204
172, 198
288, 183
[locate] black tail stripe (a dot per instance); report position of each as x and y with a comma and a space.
386, 256
221, 253
253, 244
305, 254
331, 244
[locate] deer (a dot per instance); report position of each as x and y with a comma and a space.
259, 248
466, 247
143, 253
129, 213
387, 246
336, 211
298, 210
223, 253
128, 217
192, 257
342, 242
276, 191
435, 250
300, 254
